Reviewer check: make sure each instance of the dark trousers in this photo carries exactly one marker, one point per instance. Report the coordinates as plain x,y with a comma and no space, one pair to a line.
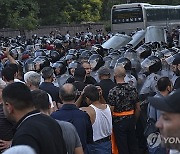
124,132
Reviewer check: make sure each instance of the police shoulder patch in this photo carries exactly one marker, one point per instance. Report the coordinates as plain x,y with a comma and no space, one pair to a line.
155,78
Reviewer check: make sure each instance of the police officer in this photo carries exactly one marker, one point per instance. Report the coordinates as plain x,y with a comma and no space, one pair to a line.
71,69
151,66
176,70
95,61
166,71
40,62
60,72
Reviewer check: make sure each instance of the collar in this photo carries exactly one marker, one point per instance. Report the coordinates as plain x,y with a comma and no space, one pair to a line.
25,117
125,83
45,82
158,94
106,80
68,107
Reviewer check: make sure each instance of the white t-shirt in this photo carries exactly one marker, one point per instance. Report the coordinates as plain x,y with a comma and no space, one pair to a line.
50,101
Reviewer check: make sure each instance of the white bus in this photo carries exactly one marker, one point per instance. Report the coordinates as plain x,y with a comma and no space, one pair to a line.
129,17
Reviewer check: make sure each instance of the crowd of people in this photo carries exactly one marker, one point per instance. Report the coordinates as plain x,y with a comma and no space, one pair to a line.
64,94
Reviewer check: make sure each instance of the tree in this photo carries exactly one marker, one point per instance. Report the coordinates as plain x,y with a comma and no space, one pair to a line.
19,14
68,11
77,11
49,11
29,14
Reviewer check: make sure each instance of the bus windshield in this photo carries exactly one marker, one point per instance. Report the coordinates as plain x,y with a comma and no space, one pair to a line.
127,15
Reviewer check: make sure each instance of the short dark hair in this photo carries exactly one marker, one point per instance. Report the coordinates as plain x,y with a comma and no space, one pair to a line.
18,94
163,83
92,93
79,73
68,95
40,99
13,66
8,73
17,68
47,72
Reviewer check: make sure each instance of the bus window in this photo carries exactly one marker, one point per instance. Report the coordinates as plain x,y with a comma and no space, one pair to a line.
156,14
174,14
127,15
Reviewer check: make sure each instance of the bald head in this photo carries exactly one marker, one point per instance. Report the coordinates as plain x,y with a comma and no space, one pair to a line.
67,93
119,72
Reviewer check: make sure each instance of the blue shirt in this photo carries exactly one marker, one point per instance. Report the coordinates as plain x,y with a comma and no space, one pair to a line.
51,90
80,119
152,112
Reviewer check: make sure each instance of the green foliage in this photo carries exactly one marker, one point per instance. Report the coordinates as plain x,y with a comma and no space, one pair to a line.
18,14
3,13
68,11
29,14
82,11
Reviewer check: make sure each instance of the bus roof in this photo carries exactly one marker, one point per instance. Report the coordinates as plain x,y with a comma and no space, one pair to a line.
131,5
162,6
146,5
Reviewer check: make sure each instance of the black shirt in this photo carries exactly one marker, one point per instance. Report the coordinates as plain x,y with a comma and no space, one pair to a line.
80,86
106,85
177,83
6,127
123,97
90,80
40,132
70,79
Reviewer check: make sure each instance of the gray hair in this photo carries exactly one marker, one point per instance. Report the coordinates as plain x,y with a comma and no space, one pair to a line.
33,78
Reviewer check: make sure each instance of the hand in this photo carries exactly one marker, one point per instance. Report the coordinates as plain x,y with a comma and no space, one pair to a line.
4,60
4,144
6,51
100,90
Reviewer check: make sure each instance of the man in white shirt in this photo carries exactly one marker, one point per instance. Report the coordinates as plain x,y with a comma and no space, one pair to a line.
101,120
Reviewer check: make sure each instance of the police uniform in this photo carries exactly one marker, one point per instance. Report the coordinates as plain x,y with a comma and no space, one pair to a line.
61,79
131,80
150,83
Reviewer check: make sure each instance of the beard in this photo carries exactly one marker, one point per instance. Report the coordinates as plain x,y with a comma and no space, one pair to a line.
8,116
177,72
